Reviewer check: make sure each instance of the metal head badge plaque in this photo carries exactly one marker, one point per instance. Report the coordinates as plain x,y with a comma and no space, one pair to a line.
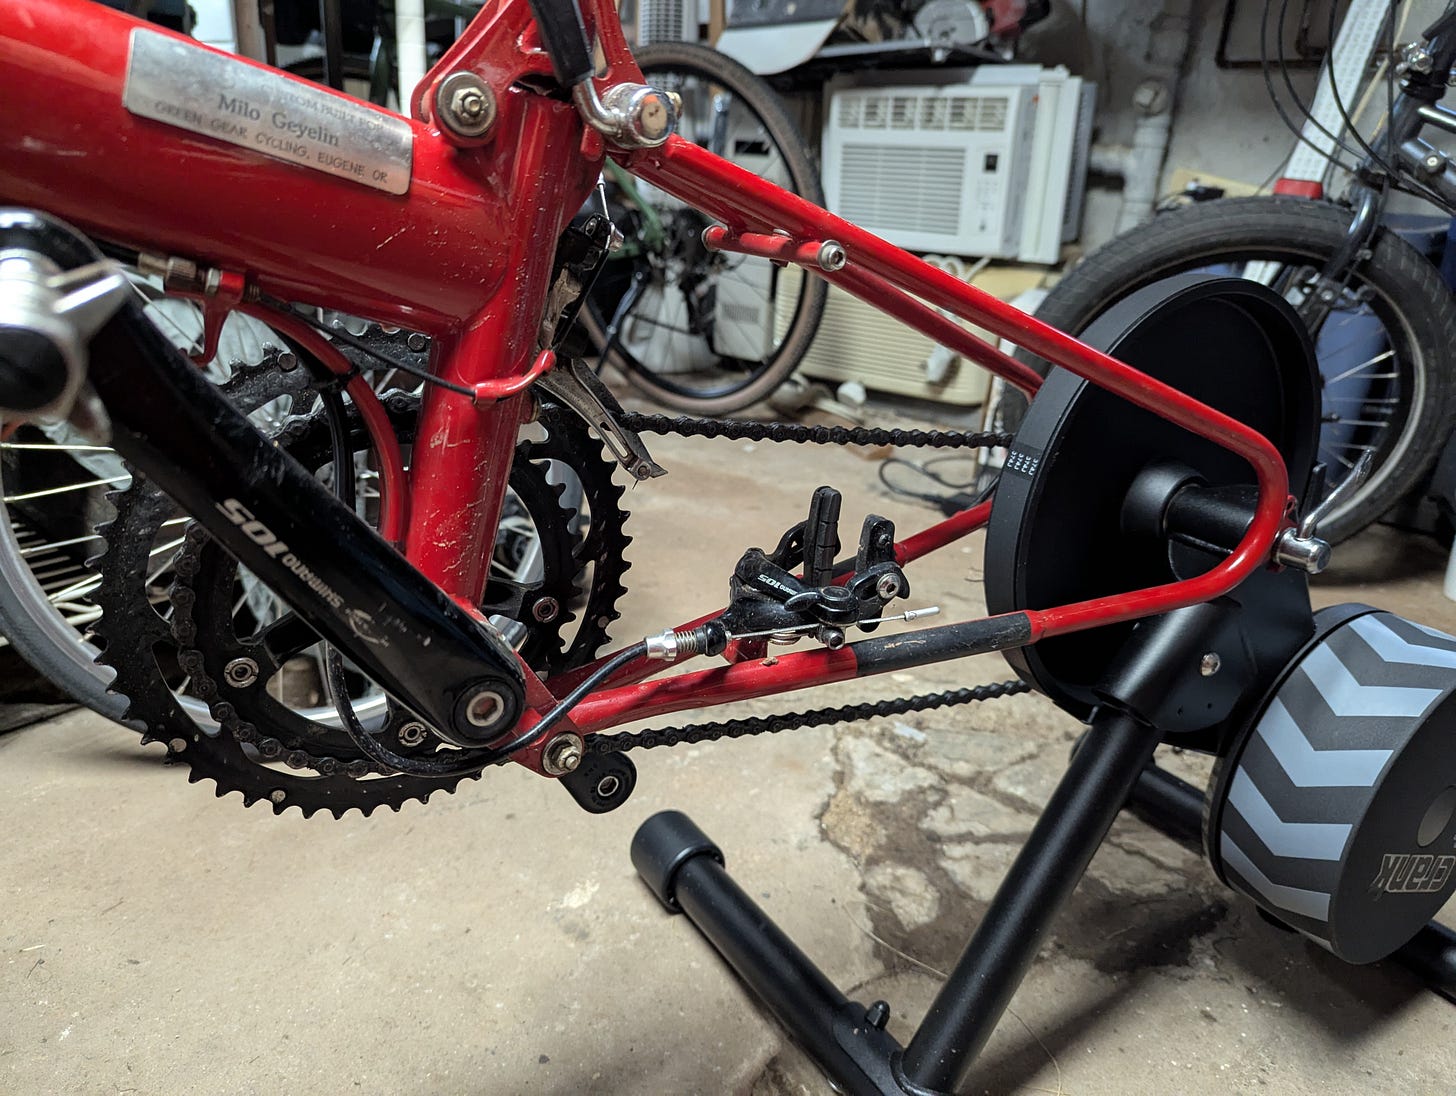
218,96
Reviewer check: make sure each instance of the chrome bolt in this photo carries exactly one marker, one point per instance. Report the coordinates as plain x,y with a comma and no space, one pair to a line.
240,672
1209,664
562,754
485,708
607,786
832,256
467,107
888,586
546,610
1433,163
412,733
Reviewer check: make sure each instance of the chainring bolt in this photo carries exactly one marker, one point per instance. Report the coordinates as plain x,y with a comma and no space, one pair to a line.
1210,664
177,745
277,795
562,754
240,672
546,610
412,733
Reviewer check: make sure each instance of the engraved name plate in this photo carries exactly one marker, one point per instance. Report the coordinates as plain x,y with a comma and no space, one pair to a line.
222,97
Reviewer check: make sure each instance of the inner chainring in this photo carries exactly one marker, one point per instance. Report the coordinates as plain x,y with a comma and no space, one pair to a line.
1055,536
320,767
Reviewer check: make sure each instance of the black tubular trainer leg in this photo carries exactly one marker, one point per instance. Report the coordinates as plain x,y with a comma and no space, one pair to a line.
1047,870
1176,807
685,870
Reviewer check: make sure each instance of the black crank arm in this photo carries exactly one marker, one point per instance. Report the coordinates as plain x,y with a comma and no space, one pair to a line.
340,577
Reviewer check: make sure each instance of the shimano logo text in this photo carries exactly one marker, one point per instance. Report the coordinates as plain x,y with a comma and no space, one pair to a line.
267,540
1408,873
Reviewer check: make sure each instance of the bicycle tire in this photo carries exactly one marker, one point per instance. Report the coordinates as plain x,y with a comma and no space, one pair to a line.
1415,307
736,392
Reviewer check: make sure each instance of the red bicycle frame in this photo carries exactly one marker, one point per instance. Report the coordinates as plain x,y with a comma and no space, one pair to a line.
463,255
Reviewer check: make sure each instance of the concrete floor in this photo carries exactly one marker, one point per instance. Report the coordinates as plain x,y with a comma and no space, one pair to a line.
157,940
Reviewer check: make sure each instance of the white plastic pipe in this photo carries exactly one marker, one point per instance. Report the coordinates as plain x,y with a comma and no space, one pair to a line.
409,48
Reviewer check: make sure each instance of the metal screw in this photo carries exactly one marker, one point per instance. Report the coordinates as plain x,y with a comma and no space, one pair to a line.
417,341
607,786
485,708
888,586
546,610
1433,163
412,733
287,361
1209,664
240,672
277,795
562,754
177,745
832,256
467,107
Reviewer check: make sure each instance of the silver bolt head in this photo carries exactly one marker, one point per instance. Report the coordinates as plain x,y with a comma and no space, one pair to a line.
412,733
832,256
241,672
546,610
1210,664
465,104
888,586
562,754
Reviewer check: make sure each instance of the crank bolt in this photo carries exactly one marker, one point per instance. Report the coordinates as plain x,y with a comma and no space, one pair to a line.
562,754
1210,664
466,105
888,586
546,610
832,256
240,672
412,733
485,708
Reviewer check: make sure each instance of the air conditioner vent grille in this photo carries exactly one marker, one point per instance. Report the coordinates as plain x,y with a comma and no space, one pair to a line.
873,191
933,113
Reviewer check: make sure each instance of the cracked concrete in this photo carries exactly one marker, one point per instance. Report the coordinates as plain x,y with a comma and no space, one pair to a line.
157,940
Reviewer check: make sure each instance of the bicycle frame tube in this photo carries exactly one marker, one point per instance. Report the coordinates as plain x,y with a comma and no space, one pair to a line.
465,256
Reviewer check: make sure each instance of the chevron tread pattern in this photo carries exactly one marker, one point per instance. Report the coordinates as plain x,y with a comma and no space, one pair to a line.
1314,762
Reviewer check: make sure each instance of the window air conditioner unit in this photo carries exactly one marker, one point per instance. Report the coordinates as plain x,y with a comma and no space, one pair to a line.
668,21
933,168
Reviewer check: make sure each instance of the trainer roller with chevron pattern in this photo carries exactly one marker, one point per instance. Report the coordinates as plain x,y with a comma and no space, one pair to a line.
1336,811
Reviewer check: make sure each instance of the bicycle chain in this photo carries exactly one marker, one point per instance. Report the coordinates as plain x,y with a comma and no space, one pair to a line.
818,717
746,430
621,742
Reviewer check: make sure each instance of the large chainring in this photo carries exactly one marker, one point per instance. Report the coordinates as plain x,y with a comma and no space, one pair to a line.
265,750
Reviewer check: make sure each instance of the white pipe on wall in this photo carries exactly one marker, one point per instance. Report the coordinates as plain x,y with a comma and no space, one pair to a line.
409,47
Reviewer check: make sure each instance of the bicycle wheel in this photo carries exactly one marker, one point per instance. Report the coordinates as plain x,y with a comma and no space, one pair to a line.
1385,347
704,332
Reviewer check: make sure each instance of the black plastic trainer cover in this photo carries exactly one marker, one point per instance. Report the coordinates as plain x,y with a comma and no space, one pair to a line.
1336,811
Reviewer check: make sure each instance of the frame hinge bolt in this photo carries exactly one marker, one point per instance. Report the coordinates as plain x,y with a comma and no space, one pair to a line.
466,105
562,754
